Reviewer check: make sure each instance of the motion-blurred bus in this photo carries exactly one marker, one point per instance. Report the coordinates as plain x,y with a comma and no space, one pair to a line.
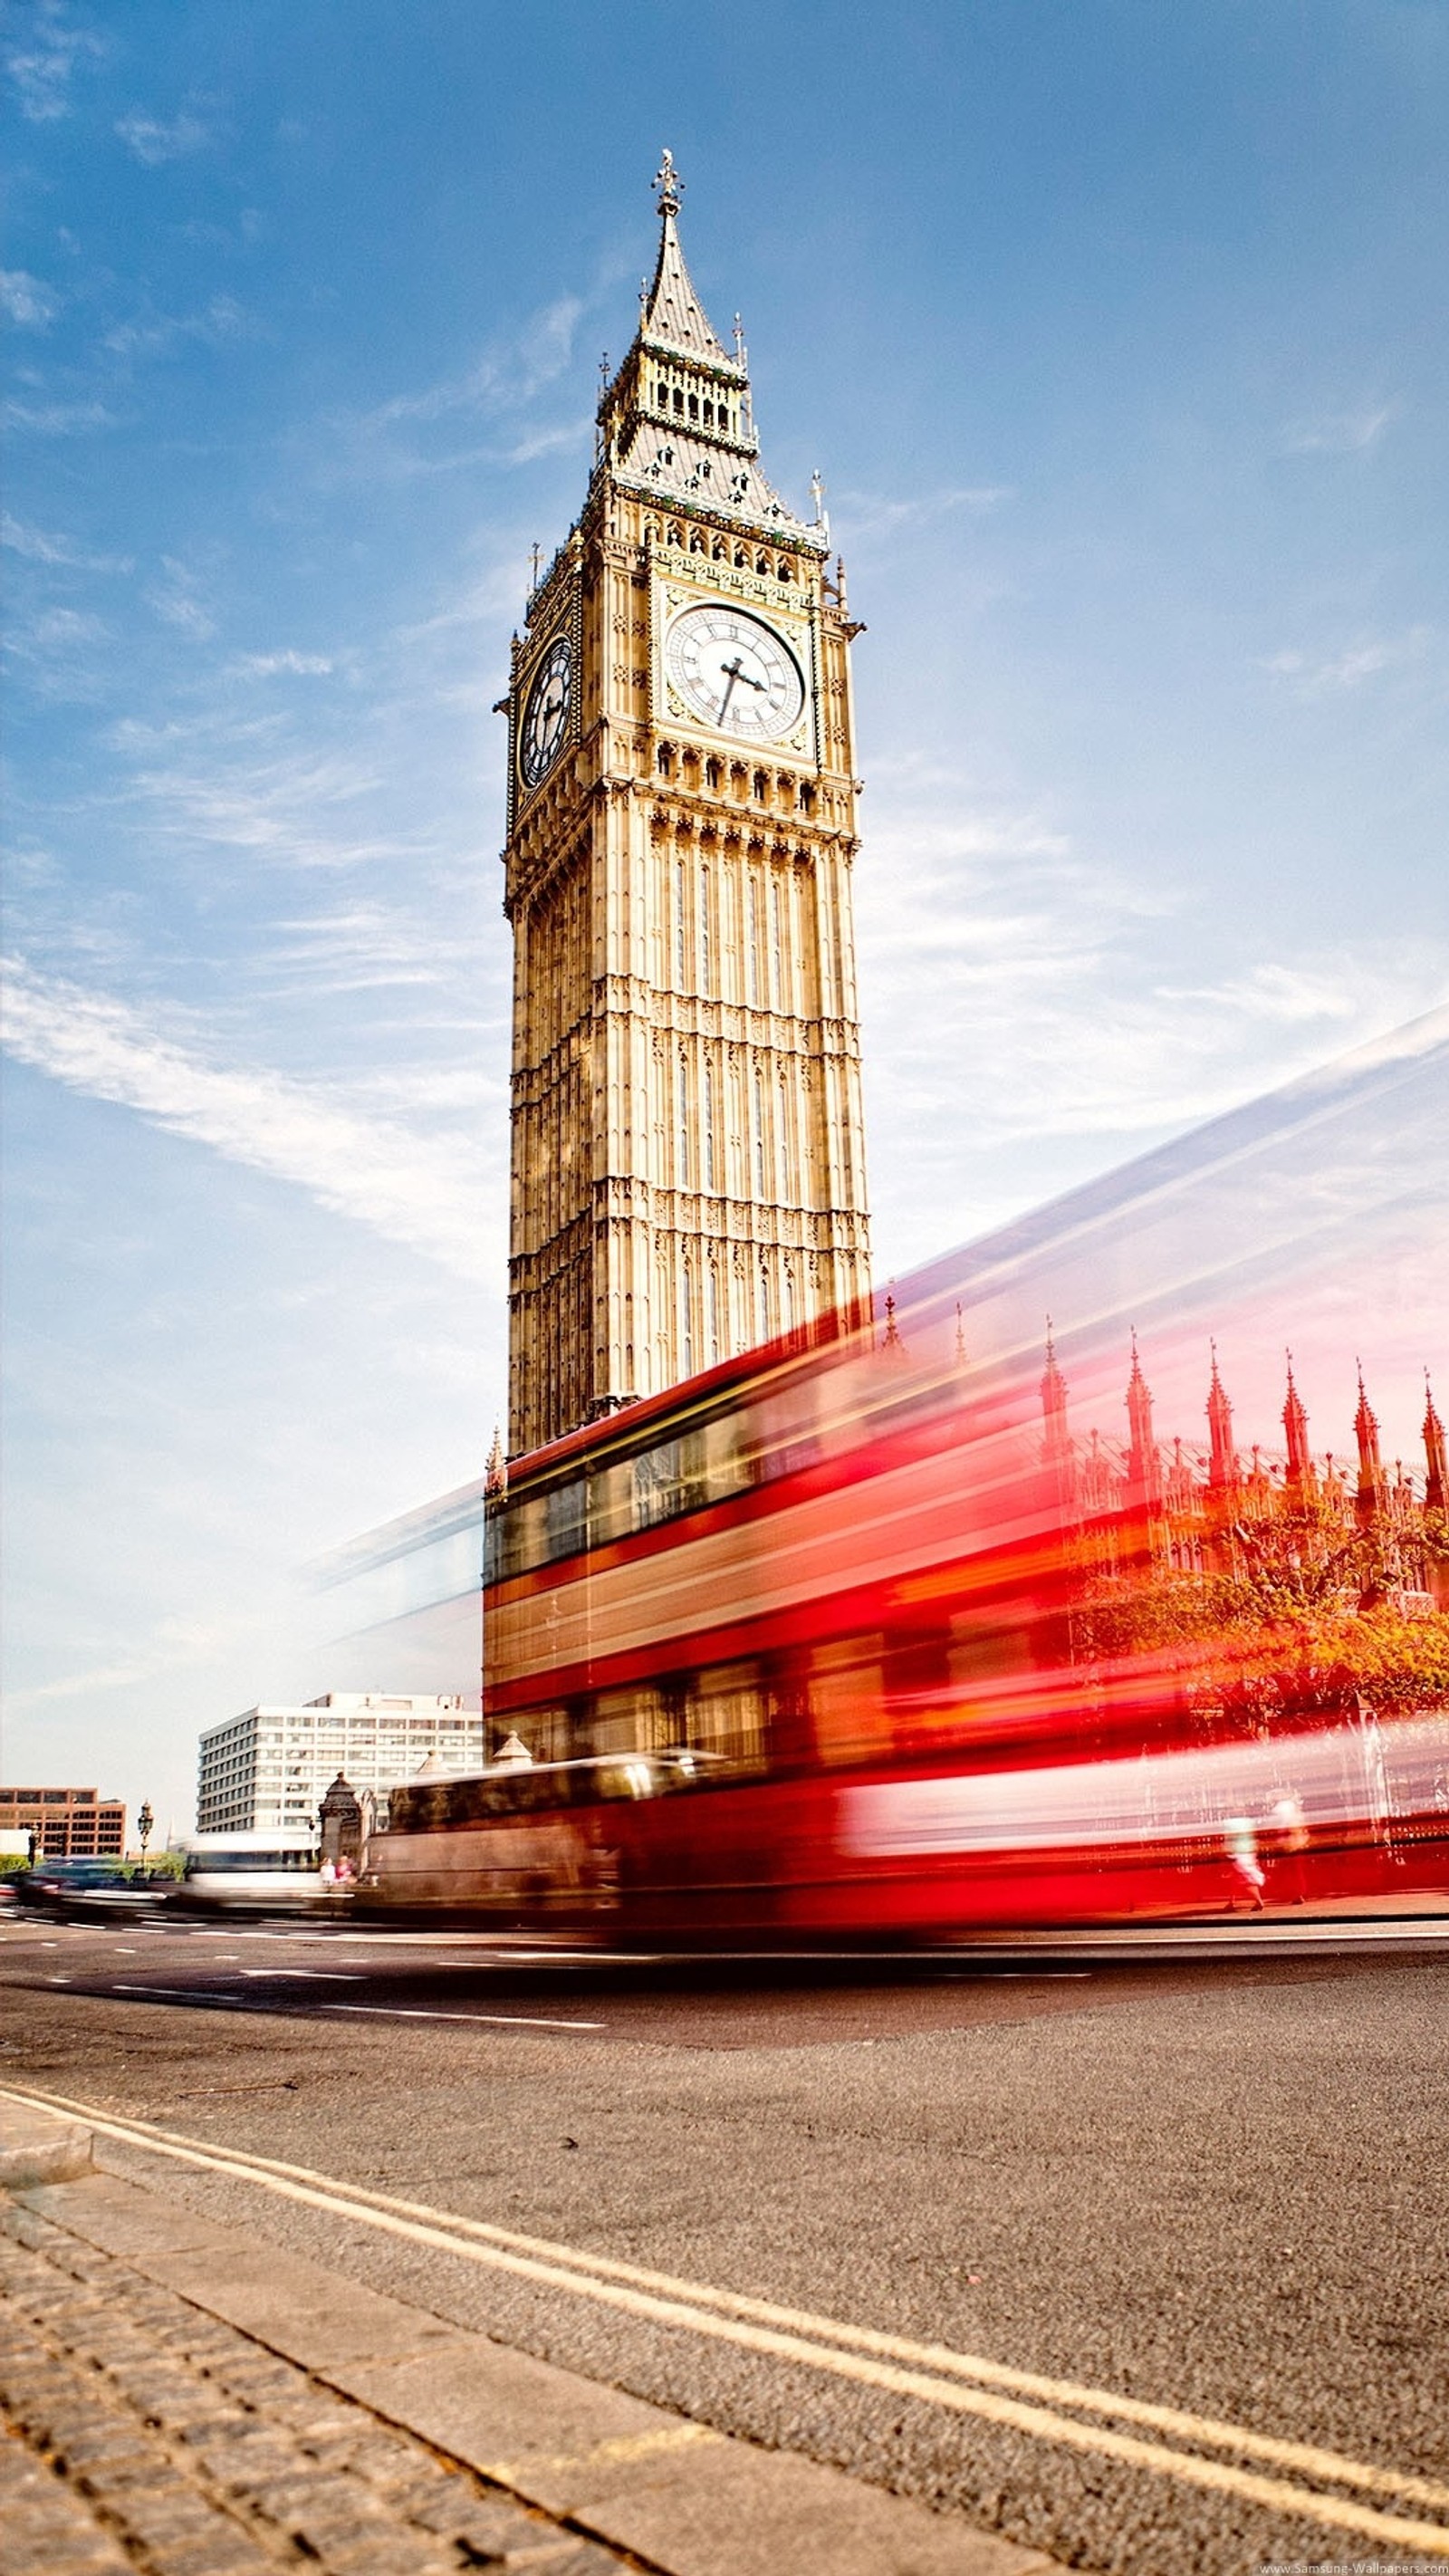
276,1872
932,1623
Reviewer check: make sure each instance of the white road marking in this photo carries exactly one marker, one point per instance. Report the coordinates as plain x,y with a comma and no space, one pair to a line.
184,1995
506,2021
935,2373
311,1976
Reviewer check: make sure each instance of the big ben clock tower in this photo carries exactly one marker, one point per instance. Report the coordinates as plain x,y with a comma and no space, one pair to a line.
688,1155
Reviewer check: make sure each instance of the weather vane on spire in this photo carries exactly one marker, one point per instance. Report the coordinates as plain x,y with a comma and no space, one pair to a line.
669,184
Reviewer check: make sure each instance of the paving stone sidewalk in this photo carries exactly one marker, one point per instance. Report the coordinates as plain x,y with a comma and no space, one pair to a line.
141,2435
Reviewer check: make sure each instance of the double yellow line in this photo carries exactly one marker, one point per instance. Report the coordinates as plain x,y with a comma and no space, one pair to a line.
962,2383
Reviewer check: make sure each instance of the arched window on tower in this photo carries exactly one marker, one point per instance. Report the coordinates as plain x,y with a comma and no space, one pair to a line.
777,944
681,1122
666,761
686,1317
789,1314
784,1159
758,1132
680,928
708,415
711,1180
712,1315
752,940
678,400
706,960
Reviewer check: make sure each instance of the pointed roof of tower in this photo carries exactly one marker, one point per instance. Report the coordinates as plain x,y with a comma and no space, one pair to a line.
1223,1463
675,419
1053,1384
1436,1490
1295,1425
673,316
1366,1426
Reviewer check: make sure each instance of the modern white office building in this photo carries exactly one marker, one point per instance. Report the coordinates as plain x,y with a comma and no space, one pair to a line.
272,1767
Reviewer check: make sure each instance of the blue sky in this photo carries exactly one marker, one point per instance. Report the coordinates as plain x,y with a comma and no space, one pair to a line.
1117,334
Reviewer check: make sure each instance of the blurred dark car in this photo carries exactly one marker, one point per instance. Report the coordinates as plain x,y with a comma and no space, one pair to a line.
81,1888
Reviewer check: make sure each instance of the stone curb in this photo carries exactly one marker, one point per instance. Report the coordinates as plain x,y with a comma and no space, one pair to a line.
672,2494
29,2164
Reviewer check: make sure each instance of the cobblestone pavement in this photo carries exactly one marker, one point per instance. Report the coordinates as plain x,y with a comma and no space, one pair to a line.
141,2435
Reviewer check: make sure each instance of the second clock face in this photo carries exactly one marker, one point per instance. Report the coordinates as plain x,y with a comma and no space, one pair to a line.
735,673
546,714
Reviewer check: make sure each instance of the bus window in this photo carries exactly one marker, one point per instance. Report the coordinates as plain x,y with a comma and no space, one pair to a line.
636,1720
727,1716
564,1516
518,1536
624,1779
611,1502
847,1701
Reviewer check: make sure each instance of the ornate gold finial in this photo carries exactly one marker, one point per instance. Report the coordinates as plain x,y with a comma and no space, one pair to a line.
669,184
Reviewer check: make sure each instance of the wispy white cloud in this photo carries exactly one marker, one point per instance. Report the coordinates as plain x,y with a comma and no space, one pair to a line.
1339,433
409,1187
28,301
41,62
55,626
1311,675
875,514
511,372
38,545
149,335
1045,1017
155,139
400,437
171,1646
266,666
366,947
229,790
57,648
56,420
178,600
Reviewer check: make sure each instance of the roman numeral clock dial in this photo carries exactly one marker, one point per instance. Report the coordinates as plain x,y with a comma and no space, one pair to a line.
734,673
546,713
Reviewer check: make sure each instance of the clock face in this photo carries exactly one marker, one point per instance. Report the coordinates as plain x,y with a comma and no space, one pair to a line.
546,714
735,673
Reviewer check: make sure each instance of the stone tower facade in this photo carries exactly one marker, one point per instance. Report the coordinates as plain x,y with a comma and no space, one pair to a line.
688,1155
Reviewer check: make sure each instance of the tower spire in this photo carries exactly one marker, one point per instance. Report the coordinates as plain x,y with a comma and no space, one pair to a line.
1436,1489
1222,1457
673,317
1144,1483
1056,1440
1295,1428
669,184
1370,1466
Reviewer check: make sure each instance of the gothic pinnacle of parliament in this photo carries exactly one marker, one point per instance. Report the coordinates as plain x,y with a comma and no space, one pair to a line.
688,1156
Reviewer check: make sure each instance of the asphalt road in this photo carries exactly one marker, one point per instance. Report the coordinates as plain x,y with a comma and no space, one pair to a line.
1207,2178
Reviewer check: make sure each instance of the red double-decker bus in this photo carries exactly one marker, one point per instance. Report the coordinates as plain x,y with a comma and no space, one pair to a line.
816,1645
886,1630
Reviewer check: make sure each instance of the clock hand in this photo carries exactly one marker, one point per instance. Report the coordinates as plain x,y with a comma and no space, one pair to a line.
734,671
